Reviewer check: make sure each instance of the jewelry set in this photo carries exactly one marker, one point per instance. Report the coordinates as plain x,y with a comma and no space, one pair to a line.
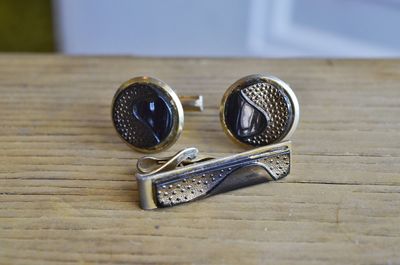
256,111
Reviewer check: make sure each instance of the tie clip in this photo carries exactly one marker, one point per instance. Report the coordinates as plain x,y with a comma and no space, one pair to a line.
181,178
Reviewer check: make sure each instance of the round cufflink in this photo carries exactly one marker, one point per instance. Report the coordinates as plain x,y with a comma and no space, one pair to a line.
259,110
148,115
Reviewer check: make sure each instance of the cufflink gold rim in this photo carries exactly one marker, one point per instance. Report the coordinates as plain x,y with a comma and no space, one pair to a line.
250,82
121,112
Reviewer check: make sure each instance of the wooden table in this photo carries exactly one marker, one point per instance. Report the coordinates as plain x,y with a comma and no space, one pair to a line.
68,194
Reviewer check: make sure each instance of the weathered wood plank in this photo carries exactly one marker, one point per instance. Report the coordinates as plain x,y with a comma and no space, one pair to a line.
67,192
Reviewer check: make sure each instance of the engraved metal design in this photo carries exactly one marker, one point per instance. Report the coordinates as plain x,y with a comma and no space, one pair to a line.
147,114
187,187
132,129
199,179
276,106
269,97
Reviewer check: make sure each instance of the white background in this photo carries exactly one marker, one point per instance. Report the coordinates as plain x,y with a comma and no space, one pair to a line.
263,28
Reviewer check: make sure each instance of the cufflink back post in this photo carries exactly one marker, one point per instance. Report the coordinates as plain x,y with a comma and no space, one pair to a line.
179,179
259,110
148,115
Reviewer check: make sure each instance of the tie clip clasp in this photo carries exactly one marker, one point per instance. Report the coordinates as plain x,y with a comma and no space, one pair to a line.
183,177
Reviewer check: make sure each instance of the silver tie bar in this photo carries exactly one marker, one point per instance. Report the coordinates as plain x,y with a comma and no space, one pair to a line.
166,182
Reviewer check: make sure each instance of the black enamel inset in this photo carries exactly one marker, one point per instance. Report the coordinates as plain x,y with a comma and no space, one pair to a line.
258,112
243,119
155,114
143,115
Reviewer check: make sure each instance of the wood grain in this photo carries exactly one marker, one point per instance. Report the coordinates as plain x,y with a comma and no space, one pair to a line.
68,195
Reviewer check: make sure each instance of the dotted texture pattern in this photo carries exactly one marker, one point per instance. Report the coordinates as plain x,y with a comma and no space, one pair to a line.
278,166
129,128
190,186
275,104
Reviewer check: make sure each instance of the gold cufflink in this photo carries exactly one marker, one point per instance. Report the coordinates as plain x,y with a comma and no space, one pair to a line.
259,110
148,115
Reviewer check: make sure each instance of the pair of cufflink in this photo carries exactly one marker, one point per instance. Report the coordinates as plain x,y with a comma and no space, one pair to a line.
257,111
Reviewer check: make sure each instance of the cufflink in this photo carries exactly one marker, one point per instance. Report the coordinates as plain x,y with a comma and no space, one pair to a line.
148,115
259,110
183,177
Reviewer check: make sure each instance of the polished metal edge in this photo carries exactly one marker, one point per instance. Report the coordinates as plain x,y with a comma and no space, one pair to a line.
150,185
175,102
269,79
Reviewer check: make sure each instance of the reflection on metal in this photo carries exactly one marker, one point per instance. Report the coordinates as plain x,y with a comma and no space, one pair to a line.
148,115
165,182
258,110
